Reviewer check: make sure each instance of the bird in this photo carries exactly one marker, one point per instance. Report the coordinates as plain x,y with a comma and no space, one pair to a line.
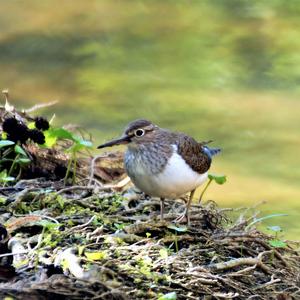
162,163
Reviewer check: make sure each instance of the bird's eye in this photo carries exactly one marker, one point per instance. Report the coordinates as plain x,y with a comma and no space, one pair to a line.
139,132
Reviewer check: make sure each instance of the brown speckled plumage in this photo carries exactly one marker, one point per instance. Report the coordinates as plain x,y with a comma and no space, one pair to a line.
151,145
193,154
163,163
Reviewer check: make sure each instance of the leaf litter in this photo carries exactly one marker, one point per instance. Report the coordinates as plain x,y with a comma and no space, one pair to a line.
96,237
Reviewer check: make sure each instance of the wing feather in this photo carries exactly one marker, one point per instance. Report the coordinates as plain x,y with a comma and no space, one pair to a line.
193,153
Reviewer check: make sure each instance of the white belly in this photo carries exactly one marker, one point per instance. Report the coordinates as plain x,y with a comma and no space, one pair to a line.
177,179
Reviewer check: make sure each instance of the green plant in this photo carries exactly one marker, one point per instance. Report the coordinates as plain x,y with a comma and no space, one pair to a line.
4,175
78,144
12,156
20,159
4,178
119,226
219,179
277,242
5,143
164,253
176,230
16,133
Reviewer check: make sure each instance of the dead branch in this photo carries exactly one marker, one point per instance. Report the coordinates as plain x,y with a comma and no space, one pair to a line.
252,261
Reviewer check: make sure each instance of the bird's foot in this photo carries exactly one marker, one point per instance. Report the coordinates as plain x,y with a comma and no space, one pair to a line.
183,217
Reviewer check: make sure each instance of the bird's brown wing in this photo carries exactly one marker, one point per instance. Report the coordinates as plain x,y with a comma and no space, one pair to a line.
193,154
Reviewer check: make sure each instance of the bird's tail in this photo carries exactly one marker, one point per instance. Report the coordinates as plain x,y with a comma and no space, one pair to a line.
211,151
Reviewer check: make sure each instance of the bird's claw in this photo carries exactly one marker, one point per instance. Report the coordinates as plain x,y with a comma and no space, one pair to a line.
182,217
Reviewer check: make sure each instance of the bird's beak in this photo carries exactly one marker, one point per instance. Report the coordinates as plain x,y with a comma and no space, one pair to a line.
120,141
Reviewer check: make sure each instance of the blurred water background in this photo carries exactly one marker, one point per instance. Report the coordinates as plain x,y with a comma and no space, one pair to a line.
222,70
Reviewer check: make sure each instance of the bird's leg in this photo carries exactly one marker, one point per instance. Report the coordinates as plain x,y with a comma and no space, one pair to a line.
162,208
186,212
188,206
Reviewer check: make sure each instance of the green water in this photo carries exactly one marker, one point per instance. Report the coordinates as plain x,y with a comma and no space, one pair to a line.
222,70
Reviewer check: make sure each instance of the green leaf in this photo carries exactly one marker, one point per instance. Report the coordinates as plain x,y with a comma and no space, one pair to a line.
5,178
53,134
275,228
60,133
277,243
50,140
95,255
169,296
8,179
5,143
163,253
3,174
20,150
3,201
31,125
80,250
178,228
60,201
48,224
219,179
119,226
23,161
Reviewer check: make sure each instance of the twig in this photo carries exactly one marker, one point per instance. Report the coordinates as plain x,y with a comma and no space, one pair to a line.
120,184
94,188
242,261
21,195
201,278
74,188
139,207
272,281
82,225
47,217
229,295
15,253
92,168
39,106
276,253
246,270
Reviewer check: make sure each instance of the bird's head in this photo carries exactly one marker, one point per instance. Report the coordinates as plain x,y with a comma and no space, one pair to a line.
136,133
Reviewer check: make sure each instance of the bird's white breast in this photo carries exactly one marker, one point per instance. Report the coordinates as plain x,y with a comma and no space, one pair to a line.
176,179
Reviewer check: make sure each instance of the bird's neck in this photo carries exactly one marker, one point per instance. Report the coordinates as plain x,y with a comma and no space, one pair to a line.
151,156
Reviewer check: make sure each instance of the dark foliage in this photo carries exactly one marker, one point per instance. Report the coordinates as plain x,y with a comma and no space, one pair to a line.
16,130
37,136
41,123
